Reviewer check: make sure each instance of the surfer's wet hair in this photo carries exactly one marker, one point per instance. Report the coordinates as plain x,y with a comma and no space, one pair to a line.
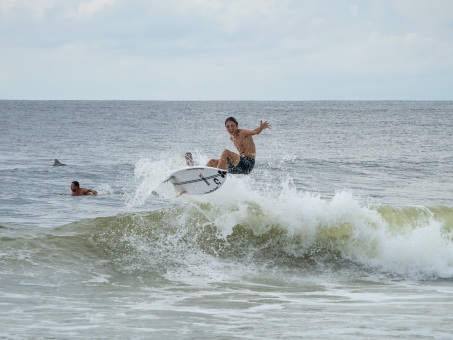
231,119
76,184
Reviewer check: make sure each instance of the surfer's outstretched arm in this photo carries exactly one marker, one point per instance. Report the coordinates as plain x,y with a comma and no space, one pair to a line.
257,131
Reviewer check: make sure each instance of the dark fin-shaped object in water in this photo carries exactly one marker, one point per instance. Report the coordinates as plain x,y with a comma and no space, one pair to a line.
189,159
57,163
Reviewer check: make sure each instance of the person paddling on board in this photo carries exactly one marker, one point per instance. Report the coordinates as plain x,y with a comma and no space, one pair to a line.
243,141
78,191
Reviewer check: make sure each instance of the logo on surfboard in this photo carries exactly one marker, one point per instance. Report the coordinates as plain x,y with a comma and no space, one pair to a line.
198,181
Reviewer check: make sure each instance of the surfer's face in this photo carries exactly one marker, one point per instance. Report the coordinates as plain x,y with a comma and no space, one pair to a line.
73,187
231,127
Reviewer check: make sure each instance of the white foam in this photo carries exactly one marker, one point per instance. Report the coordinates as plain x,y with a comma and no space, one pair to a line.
343,222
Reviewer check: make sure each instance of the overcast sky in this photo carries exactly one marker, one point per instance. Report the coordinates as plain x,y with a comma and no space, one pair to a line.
226,49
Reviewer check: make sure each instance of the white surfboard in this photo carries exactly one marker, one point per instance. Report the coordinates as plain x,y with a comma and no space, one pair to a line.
197,180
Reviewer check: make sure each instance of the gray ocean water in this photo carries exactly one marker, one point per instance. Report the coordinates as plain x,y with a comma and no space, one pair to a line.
344,230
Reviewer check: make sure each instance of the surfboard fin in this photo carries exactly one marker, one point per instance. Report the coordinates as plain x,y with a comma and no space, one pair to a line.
169,178
181,194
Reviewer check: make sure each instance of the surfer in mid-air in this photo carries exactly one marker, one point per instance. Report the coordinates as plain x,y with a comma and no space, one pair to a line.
243,162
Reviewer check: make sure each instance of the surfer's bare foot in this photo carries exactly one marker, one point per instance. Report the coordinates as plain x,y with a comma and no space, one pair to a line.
189,159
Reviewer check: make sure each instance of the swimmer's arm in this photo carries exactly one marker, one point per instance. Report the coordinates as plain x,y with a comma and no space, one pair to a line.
90,192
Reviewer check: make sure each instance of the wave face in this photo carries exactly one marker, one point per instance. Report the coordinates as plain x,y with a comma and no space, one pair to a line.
296,234
299,232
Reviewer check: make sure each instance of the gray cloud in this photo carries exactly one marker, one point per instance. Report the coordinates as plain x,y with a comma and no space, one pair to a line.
217,49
